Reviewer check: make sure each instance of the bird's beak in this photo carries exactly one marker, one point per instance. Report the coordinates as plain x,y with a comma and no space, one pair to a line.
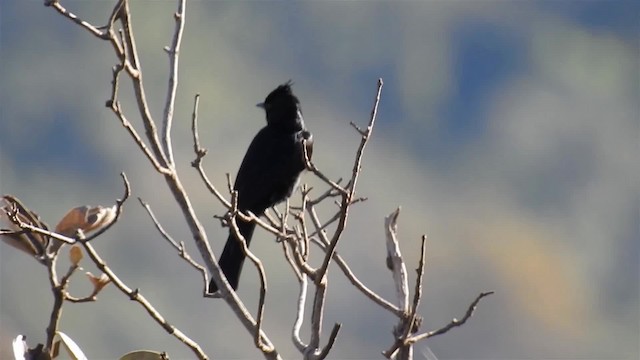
260,105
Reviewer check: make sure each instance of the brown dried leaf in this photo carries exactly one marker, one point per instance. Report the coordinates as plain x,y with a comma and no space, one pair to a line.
84,218
28,242
75,254
98,282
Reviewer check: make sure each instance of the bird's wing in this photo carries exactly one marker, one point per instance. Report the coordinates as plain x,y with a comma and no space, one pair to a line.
256,170
269,170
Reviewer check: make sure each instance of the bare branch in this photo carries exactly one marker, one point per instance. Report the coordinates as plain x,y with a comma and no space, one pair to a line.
284,217
317,315
115,15
229,186
304,239
131,53
116,108
347,198
119,206
75,300
332,339
37,230
272,221
417,294
453,323
331,192
58,300
334,218
287,246
365,139
178,246
156,223
265,348
104,35
297,325
395,261
313,168
287,254
358,129
299,260
173,51
200,153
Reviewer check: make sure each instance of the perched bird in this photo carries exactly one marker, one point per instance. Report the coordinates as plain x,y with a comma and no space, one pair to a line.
269,171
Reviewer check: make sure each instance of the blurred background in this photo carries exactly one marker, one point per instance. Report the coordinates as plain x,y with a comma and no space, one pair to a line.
508,132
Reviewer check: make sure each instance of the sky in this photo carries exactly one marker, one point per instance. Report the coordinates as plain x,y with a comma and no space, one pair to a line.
507,132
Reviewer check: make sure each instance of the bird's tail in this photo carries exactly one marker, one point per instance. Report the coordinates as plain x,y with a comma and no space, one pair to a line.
232,256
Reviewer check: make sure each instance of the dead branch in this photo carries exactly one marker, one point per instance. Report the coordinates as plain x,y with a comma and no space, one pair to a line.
453,323
178,246
172,88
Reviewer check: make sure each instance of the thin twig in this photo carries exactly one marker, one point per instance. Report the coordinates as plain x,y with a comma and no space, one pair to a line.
287,255
453,323
313,168
119,208
284,218
71,16
270,218
49,233
174,52
116,108
286,246
332,339
301,264
331,192
135,73
200,154
115,15
297,325
258,264
317,315
304,239
229,185
358,129
178,246
75,300
417,293
348,197
157,224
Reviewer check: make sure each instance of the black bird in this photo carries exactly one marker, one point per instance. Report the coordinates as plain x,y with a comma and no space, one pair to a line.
269,171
